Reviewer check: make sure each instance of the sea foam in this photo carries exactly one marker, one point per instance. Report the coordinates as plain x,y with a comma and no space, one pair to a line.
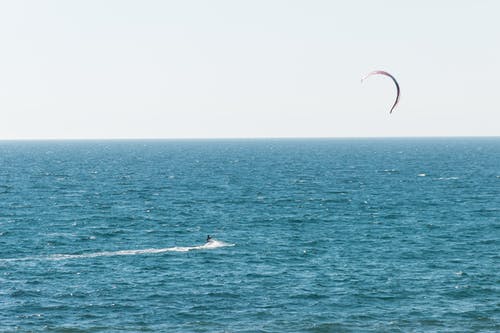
212,244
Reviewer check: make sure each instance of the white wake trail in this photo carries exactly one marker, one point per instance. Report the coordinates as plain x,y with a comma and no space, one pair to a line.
212,244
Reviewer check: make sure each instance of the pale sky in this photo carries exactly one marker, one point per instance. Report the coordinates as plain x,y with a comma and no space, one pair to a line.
216,69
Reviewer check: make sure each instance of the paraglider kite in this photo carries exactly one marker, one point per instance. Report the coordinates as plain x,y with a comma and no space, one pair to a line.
393,79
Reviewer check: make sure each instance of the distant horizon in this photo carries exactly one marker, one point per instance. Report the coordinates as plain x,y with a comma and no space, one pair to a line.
253,138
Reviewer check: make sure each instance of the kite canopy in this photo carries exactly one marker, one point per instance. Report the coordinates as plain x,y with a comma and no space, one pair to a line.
393,79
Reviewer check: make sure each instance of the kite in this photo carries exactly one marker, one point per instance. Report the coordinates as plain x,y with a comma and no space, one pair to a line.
393,79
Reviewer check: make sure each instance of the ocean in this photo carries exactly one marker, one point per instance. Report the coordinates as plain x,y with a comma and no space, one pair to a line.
308,235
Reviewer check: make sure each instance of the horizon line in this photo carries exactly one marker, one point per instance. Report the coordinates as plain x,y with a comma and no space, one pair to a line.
245,138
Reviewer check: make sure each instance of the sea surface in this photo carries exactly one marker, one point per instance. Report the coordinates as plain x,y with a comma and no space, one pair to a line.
317,235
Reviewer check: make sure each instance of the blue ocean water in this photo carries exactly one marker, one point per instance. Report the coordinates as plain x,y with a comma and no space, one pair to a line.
338,235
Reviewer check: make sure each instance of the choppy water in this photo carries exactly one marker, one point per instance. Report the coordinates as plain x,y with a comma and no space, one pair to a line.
310,236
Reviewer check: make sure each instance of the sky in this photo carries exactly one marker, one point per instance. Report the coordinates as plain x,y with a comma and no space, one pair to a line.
102,69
